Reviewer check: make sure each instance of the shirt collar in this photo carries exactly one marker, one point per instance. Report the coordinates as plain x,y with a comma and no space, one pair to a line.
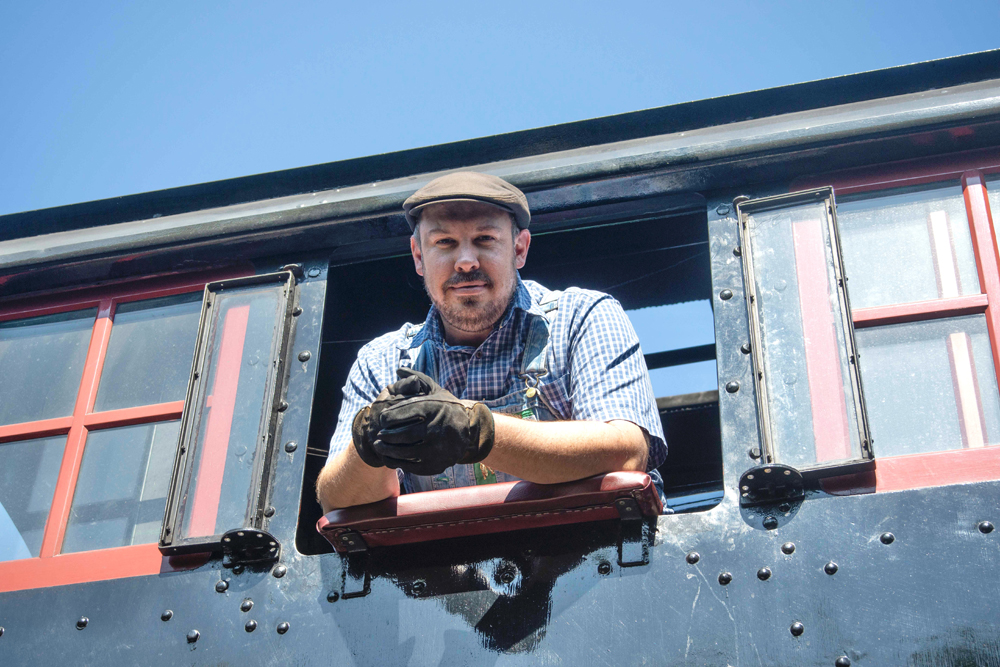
433,330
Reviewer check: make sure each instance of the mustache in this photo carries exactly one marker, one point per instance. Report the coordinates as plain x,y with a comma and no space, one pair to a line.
474,276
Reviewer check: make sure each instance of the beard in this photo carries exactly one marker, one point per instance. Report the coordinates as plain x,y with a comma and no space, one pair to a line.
475,313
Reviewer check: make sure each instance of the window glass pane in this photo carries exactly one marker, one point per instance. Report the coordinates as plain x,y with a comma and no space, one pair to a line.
993,192
913,245
149,355
684,379
122,488
929,386
241,332
810,397
28,473
674,326
53,348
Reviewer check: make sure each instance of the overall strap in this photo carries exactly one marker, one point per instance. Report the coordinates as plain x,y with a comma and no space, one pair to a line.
535,362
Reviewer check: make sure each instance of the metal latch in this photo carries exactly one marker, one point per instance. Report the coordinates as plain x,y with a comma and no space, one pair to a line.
634,536
771,483
244,546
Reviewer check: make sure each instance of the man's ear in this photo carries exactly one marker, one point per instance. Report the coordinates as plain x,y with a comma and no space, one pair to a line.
521,244
418,257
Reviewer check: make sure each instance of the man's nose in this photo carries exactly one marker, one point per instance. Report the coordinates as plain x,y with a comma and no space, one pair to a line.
467,259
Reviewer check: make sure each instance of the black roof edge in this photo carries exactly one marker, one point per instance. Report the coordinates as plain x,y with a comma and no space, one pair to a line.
901,80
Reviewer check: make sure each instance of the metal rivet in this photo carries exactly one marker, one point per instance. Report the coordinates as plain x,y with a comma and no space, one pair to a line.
193,636
305,355
722,209
797,629
785,507
313,272
419,586
754,453
725,578
764,573
737,251
250,626
282,406
726,294
82,622
692,557
291,446
604,567
296,311
887,538
1,631
332,596
166,615
506,577
282,627
770,522
745,348
221,586
237,569
985,527
732,386
843,661
788,548
279,571
246,605
269,512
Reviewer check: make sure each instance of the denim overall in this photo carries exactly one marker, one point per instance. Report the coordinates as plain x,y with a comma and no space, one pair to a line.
526,402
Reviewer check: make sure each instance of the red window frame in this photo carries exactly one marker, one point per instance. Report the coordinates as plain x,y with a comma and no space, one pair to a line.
958,466
52,568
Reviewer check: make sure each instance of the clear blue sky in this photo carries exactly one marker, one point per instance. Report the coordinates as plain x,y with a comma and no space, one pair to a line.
103,99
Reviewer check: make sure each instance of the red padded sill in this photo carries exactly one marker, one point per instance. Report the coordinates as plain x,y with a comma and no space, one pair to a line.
491,508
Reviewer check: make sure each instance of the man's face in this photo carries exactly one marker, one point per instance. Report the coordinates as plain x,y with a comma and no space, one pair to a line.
468,258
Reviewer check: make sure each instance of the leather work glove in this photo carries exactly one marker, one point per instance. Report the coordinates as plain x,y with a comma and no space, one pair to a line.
419,427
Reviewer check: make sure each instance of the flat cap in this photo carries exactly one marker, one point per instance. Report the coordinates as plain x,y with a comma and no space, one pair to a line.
469,186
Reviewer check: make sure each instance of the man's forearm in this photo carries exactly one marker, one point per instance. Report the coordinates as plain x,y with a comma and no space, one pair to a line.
562,451
346,481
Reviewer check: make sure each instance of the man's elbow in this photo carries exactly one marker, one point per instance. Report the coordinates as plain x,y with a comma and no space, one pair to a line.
635,445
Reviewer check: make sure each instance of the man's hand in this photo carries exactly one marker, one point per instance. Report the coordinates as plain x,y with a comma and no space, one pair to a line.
419,427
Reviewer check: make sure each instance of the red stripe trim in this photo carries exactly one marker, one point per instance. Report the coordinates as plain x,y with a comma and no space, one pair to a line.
985,247
212,465
960,466
65,569
37,429
919,310
138,415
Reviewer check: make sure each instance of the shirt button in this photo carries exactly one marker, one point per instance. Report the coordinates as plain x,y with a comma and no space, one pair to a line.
479,355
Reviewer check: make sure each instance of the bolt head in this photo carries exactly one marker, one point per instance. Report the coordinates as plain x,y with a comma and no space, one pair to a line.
843,661
692,557
722,209
725,578
283,627
726,294
305,355
166,615
82,622
1,631
246,605
797,629
887,538
221,586
332,596
250,626
764,573
291,446
831,568
279,571
732,386
604,567
296,311
737,251
754,453
770,522
419,586
788,548
745,348
985,527
313,272
193,636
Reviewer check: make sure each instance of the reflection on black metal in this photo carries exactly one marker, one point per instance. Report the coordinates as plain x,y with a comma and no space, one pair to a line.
246,394
765,306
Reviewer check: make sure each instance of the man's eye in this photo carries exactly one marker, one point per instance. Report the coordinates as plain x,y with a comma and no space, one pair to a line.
444,242
487,239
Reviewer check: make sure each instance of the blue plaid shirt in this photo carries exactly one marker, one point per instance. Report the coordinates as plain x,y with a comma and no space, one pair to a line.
596,368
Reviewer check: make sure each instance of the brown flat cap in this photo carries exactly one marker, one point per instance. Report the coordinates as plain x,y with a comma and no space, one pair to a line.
469,186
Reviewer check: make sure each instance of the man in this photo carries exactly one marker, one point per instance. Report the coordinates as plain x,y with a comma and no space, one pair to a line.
504,380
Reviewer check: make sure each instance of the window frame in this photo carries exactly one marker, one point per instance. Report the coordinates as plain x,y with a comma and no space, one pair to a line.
50,567
956,466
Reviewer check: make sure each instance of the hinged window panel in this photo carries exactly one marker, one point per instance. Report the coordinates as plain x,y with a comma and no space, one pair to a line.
811,407
228,430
